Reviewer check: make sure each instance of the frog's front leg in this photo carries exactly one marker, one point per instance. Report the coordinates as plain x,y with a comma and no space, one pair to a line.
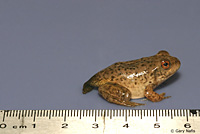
153,96
117,94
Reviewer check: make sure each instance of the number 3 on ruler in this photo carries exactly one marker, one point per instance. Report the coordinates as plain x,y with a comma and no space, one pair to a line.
95,125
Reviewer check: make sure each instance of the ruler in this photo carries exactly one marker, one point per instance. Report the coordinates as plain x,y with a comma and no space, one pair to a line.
100,121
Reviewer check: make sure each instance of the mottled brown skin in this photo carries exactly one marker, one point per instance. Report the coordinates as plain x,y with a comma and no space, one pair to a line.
123,81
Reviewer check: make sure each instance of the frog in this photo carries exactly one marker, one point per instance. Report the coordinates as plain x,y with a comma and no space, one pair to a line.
123,81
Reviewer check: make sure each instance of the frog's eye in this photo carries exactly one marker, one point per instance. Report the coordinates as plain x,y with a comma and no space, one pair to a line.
165,64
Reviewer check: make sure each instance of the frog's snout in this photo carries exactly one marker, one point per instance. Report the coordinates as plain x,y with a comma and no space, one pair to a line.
176,62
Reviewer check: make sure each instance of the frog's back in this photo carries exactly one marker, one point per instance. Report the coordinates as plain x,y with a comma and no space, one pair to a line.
120,73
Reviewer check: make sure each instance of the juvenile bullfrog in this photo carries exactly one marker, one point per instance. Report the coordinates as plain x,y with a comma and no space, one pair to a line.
123,81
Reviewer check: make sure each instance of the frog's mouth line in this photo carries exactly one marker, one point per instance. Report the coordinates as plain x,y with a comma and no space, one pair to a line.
167,76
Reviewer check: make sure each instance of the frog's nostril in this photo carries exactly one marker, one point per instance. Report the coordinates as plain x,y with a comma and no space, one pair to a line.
177,60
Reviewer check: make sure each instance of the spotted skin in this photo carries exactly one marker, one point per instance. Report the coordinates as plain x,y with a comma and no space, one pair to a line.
123,81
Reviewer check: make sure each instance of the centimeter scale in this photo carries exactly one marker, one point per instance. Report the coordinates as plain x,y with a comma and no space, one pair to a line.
100,121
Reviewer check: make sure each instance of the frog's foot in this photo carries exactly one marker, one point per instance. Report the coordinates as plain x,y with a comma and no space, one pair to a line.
117,94
153,96
87,88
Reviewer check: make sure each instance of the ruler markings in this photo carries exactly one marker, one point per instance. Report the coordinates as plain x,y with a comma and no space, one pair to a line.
83,113
34,115
55,113
80,113
31,113
16,113
71,113
126,116
44,113
10,113
65,112
74,113
199,112
106,114
37,113
153,113
19,114
58,113
174,113
95,115
147,113
156,115
150,112
41,113
22,113
25,113
187,115
4,116
6,113
171,114
178,112
49,114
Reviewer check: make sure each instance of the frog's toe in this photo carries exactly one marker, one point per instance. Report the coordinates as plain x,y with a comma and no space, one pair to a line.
164,97
133,104
162,94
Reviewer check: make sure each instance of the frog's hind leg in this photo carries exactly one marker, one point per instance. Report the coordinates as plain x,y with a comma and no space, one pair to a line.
87,87
117,94
153,96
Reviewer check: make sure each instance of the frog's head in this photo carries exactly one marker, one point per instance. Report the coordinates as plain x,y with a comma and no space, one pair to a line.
166,65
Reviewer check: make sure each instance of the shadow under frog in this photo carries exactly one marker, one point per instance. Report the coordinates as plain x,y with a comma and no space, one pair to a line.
123,81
